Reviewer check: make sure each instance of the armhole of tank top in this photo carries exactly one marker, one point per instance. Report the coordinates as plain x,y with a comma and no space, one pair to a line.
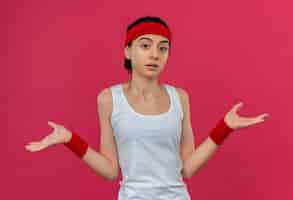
178,102
113,103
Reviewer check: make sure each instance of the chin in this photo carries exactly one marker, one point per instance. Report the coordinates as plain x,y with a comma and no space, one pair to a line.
152,75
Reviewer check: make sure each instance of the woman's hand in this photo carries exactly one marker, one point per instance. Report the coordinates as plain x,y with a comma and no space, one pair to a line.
59,135
234,121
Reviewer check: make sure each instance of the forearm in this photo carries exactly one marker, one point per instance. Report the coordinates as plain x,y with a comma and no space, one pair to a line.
204,151
99,164
199,157
95,160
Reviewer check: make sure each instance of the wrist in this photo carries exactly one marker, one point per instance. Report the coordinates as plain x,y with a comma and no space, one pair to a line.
77,144
68,137
220,132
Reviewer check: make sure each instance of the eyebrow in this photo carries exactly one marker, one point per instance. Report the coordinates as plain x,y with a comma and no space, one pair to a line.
162,41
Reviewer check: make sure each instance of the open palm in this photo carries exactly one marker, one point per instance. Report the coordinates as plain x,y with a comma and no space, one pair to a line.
59,135
236,121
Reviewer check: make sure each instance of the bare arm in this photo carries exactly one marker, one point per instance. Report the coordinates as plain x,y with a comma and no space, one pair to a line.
193,158
100,164
199,157
104,163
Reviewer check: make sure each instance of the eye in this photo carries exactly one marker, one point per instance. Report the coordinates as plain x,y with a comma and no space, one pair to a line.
144,46
164,48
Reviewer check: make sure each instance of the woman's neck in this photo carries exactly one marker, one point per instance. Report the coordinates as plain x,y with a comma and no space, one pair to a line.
146,88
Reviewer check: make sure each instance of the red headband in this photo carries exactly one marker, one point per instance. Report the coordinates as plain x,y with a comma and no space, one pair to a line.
147,28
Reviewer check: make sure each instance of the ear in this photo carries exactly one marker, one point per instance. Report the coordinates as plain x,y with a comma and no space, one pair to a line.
127,52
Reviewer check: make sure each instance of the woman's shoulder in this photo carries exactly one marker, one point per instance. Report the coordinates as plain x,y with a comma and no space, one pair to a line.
183,97
180,90
113,85
105,96
107,89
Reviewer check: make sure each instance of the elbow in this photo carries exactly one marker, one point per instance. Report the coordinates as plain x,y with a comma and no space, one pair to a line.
186,174
113,177
189,173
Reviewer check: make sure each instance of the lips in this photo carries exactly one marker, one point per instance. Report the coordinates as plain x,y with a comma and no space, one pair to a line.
152,65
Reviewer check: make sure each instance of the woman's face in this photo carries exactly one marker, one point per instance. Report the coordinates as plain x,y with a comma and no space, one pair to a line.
148,49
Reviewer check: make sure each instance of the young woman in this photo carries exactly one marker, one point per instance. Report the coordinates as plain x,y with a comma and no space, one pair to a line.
145,125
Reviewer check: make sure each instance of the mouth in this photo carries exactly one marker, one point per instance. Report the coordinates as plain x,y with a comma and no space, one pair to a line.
152,65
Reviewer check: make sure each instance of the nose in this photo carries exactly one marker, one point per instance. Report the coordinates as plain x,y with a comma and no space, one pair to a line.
154,54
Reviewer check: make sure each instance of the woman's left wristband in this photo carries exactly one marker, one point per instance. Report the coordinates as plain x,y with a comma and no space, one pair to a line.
77,145
220,132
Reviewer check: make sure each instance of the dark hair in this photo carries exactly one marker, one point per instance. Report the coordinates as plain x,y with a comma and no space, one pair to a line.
127,62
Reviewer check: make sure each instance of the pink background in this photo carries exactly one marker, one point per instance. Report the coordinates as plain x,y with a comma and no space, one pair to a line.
58,55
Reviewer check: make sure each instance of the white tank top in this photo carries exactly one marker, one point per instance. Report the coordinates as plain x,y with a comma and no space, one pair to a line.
149,149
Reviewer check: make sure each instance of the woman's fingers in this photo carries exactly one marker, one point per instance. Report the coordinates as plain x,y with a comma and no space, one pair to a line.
34,147
236,107
34,142
45,142
52,124
48,140
259,119
263,116
37,145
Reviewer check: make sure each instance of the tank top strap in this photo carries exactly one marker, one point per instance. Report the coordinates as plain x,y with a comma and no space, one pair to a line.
176,100
117,99
119,105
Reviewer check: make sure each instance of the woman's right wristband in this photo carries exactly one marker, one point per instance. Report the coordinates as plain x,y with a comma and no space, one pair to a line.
78,145
220,132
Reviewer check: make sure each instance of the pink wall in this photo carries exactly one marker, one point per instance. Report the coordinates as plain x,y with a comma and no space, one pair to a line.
58,55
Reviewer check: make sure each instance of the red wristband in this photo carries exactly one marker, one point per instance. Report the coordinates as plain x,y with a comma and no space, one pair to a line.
77,145
220,132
